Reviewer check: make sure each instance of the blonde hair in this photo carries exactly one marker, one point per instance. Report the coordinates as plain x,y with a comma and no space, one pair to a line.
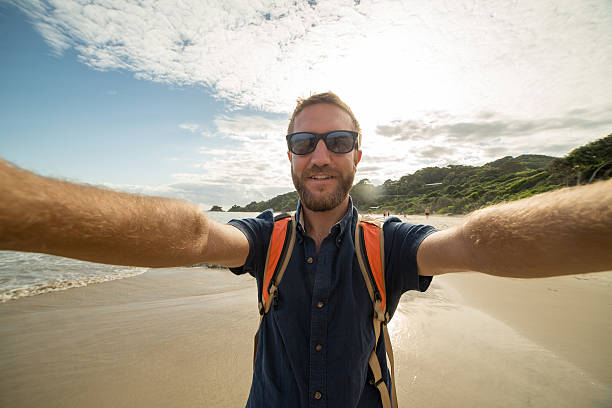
329,98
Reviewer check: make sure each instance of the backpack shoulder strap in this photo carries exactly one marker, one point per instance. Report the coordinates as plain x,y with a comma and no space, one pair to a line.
280,248
369,247
279,253
370,251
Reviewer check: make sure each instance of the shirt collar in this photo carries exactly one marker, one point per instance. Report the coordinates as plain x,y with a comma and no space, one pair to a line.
341,225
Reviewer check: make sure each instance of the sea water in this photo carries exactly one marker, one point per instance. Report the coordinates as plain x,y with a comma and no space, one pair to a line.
28,274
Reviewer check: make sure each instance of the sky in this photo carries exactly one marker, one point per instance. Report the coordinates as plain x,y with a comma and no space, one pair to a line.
191,98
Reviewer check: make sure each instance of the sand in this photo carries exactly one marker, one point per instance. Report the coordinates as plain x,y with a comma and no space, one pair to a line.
168,338
182,337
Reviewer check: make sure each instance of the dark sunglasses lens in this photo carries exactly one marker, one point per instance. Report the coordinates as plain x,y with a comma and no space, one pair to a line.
340,142
302,143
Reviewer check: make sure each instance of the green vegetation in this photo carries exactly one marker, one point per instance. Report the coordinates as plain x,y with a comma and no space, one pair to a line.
460,189
283,202
216,208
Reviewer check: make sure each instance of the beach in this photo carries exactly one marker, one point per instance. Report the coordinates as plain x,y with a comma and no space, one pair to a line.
183,337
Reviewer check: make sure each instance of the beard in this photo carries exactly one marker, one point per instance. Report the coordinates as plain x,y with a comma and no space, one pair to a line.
323,202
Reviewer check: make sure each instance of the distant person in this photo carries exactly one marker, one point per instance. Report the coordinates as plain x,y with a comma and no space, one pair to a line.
317,346
427,213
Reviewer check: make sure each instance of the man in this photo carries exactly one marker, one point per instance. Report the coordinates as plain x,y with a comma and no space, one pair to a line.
313,348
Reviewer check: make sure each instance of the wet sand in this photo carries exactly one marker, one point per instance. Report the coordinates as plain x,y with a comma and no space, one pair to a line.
182,337
167,338
476,341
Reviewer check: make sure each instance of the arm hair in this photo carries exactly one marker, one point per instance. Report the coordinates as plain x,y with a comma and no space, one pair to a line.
39,214
562,232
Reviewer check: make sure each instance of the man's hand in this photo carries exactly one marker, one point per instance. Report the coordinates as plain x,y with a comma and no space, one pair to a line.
563,232
39,214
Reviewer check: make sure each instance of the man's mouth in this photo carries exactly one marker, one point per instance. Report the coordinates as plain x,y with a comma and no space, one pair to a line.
320,177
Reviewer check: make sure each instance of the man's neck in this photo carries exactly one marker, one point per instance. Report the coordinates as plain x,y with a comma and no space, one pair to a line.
319,223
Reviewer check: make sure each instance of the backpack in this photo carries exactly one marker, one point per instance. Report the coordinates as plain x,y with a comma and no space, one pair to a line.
369,248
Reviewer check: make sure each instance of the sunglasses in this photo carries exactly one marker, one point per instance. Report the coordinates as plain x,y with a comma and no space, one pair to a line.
337,141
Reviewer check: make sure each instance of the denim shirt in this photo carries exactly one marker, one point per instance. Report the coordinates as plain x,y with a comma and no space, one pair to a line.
313,349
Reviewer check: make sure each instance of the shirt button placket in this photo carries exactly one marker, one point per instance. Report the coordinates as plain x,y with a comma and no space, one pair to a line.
318,328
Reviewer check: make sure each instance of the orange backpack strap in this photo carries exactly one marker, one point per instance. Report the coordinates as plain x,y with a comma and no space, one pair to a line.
279,253
370,250
369,246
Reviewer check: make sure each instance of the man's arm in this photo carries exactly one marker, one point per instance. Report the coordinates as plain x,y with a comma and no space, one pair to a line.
562,232
39,214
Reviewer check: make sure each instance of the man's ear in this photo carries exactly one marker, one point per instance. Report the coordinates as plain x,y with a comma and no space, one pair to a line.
289,156
357,156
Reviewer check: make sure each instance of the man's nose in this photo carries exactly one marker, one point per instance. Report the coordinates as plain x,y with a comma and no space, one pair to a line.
320,155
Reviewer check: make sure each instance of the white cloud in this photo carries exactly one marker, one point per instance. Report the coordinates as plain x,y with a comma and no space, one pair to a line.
403,56
254,155
215,152
192,127
251,125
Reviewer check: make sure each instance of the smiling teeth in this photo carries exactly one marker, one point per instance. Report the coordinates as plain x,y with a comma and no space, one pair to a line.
320,177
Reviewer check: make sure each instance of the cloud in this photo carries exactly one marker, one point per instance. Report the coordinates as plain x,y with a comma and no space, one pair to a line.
207,192
369,157
370,169
192,127
405,130
496,151
384,57
487,127
436,152
249,162
215,152
251,126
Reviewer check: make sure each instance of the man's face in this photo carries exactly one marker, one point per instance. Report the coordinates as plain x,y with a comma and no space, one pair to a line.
322,178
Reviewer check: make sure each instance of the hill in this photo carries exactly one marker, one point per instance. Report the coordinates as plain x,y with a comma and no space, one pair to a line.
283,202
460,189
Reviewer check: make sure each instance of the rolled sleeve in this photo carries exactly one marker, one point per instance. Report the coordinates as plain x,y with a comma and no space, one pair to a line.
402,241
257,231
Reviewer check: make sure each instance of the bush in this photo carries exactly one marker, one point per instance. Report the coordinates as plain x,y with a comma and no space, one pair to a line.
446,210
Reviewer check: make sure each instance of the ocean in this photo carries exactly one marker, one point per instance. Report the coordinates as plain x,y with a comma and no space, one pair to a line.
28,274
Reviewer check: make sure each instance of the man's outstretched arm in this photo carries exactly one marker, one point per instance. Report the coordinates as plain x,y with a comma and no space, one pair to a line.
39,214
562,232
